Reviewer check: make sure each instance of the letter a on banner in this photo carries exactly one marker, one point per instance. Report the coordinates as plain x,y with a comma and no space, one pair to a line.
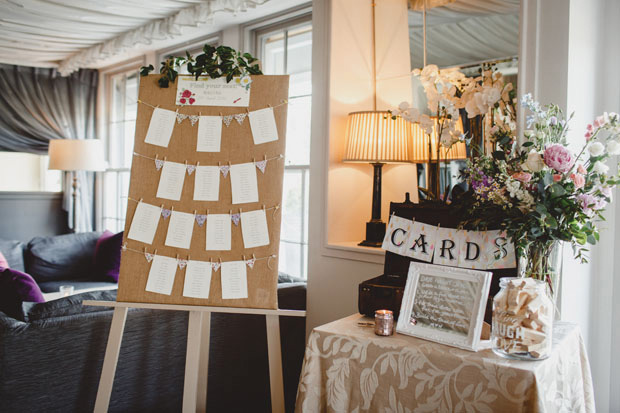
421,241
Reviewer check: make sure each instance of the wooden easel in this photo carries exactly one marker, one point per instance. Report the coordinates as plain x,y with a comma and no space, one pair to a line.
197,357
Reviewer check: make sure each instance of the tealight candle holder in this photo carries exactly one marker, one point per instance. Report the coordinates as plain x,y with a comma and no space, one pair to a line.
384,323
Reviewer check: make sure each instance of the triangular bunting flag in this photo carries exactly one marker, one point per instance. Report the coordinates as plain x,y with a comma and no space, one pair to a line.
191,168
235,218
193,119
239,117
224,170
227,119
182,263
180,117
261,165
158,164
200,219
148,256
165,213
215,266
251,262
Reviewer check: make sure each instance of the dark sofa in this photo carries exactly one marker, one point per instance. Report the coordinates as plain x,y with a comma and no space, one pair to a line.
51,354
52,361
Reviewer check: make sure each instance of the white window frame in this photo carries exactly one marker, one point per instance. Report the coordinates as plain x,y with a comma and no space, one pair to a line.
251,33
103,121
214,39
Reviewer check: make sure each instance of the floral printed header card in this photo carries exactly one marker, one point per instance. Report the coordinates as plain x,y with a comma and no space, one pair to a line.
213,92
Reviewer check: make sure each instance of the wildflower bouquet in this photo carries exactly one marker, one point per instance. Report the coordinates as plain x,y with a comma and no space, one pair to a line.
543,191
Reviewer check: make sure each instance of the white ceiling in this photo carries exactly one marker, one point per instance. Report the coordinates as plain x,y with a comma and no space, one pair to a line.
96,33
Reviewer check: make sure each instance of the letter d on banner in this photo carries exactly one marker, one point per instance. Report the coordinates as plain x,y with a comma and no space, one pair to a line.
473,250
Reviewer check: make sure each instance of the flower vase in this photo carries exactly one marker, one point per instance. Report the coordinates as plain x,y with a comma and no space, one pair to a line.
543,261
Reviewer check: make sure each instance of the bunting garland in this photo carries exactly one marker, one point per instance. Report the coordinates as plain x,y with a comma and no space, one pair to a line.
191,167
182,262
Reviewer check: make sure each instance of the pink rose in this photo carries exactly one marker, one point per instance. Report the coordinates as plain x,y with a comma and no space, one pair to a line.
588,136
182,100
186,93
559,158
557,177
523,177
581,169
191,101
578,180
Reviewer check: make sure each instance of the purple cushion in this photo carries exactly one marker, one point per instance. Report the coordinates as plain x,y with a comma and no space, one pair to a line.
108,256
17,287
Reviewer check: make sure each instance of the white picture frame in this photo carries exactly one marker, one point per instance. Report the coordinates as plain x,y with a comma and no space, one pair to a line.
463,290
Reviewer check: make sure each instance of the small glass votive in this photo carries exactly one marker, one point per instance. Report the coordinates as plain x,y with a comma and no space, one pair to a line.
66,290
384,323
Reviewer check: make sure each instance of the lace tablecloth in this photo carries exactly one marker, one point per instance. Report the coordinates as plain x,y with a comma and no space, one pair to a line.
347,368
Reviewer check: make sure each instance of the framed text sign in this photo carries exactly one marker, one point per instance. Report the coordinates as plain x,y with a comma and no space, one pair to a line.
444,304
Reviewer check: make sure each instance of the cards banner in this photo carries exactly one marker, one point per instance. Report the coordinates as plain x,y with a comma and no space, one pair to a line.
478,250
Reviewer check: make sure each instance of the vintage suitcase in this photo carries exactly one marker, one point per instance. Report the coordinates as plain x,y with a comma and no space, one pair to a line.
386,290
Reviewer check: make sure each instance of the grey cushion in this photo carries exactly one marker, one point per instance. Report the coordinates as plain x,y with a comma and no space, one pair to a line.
13,251
66,306
80,284
61,257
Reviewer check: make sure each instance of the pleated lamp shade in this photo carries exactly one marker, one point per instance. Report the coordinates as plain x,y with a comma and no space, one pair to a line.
457,151
374,137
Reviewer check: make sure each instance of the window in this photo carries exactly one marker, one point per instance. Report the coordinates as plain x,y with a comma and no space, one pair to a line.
286,48
122,98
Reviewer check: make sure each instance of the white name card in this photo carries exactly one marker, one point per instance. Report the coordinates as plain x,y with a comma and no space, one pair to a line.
243,183
209,134
161,275
207,183
160,127
180,230
171,181
234,280
144,223
254,228
263,125
197,279
218,232
211,92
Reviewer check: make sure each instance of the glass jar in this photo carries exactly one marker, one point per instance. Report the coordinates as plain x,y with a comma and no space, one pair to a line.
522,319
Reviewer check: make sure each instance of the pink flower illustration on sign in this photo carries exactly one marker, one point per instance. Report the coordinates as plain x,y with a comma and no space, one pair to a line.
186,96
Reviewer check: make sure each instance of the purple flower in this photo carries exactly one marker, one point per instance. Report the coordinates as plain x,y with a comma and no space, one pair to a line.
552,121
589,203
559,158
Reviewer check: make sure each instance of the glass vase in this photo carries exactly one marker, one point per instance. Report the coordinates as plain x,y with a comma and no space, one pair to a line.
543,261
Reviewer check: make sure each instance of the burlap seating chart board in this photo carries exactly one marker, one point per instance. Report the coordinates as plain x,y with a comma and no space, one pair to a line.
237,146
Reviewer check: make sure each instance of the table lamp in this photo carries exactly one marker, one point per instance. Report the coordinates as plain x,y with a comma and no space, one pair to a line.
425,151
72,155
374,137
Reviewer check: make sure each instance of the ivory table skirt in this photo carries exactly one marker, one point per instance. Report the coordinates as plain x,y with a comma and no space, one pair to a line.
347,368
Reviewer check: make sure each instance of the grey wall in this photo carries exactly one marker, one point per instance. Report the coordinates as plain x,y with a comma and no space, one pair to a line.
24,215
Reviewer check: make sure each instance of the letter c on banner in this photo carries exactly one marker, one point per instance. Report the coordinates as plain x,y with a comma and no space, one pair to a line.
394,235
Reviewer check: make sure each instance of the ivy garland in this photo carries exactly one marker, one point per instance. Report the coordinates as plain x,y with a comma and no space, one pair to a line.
216,62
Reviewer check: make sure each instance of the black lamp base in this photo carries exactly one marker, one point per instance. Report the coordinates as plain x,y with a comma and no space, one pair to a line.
375,232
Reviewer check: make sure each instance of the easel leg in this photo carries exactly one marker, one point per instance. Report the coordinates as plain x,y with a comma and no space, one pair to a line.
276,381
111,358
203,367
192,359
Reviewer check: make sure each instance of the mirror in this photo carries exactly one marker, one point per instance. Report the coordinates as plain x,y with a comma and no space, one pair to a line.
462,34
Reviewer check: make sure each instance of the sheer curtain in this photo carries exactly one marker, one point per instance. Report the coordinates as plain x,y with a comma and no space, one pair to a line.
37,105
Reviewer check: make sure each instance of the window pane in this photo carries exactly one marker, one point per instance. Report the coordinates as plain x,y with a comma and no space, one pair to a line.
27,172
298,131
272,47
292,207
299,61
291,259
